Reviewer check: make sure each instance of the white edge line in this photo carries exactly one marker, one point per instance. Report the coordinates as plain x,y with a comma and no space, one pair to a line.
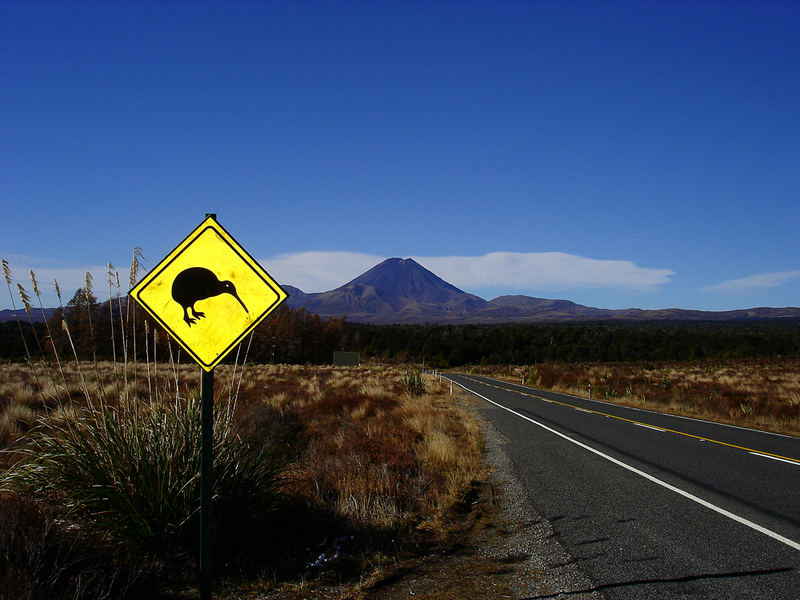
791,462
672,488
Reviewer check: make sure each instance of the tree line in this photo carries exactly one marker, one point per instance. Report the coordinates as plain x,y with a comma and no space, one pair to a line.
114,330
108,331
456,345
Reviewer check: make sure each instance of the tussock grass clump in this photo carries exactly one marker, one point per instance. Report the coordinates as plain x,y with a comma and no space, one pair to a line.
133,470
19,392
17,419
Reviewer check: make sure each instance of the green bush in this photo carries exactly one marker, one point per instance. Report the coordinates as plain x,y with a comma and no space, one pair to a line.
413,383
133,470
531,376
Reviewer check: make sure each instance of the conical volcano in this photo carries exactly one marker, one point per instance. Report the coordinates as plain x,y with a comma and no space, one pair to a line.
396,290
407,279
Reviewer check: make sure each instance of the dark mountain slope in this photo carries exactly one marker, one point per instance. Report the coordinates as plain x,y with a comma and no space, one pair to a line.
396,290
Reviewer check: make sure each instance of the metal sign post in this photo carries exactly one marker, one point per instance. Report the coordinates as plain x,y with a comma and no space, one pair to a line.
206,475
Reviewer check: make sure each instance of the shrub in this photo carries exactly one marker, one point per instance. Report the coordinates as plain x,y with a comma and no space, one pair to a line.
133,470
531,376
413,383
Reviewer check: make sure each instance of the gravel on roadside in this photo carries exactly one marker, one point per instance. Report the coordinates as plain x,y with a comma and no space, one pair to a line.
543,568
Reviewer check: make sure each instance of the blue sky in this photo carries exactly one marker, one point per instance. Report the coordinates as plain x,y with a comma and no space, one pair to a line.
616,154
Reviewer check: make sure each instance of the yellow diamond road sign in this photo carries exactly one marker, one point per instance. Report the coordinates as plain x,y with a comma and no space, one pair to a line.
208,293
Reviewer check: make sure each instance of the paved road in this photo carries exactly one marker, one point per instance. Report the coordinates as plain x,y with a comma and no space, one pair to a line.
652,505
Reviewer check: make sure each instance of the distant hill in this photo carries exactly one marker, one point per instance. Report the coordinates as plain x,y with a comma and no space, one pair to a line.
36,315
403,291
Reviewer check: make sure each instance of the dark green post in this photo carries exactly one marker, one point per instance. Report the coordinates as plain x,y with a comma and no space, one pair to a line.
206,473
206,461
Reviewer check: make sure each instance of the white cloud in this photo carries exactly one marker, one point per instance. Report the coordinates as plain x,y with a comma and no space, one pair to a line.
755,282
70,279
543,270
320,271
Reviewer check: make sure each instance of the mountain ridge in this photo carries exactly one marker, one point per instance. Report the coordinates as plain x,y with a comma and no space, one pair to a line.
402,291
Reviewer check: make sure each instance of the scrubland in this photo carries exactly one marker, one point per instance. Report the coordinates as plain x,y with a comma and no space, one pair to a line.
323,476
759,393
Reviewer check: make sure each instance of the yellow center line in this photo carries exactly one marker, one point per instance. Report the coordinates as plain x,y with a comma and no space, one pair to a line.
596,412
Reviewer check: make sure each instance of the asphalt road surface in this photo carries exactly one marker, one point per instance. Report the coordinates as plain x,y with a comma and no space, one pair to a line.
652,505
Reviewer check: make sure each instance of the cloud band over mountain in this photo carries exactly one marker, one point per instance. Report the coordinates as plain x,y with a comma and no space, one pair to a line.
318,271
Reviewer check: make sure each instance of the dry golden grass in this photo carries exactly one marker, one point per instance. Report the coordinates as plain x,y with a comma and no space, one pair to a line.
374,456
758,393
359,445
363,455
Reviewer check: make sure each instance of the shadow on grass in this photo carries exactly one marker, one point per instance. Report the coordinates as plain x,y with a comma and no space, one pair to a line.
47,554
299,546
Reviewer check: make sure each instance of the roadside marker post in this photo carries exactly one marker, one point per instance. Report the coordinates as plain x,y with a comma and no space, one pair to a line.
209,267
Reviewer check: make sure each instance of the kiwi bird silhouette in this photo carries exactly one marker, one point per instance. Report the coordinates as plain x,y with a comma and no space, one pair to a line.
198,283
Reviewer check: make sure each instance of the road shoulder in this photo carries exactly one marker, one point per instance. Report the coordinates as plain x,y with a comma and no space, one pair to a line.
545,568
